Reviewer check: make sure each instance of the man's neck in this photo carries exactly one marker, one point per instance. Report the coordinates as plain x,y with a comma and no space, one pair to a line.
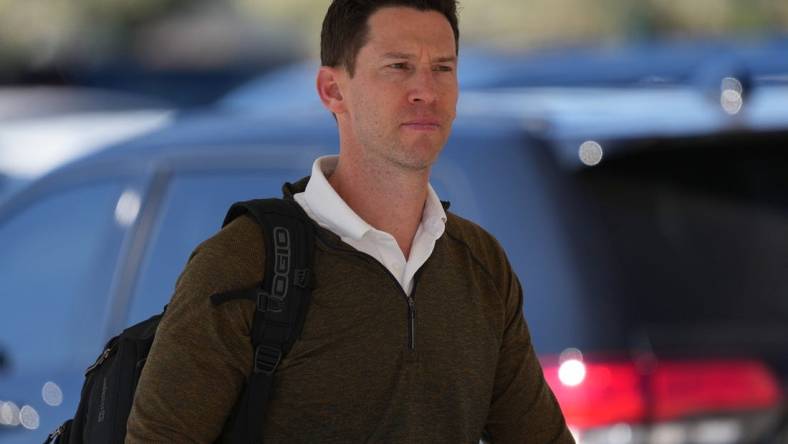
388,198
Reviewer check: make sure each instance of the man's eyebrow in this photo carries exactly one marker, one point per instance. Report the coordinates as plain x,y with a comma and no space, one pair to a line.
449,59
406,56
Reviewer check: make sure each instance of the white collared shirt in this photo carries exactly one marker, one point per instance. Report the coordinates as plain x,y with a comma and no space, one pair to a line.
326,207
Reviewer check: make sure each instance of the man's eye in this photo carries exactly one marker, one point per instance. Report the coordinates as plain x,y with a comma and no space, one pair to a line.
443,68
399,66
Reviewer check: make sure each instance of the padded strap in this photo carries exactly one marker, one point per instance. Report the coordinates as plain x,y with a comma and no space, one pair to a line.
281,302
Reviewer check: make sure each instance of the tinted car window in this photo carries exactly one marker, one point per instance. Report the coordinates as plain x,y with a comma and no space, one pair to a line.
56,264
192,211
699,239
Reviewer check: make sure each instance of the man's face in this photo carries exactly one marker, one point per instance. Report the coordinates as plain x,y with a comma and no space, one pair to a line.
401,100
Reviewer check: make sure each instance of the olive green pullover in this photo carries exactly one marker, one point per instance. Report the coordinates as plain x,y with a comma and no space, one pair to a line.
367,368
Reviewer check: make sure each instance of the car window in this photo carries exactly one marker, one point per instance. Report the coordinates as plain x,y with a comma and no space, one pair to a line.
192,211
701,257
56,264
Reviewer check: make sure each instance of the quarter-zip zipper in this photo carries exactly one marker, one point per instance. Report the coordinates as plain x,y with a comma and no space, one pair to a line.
411,323
408,297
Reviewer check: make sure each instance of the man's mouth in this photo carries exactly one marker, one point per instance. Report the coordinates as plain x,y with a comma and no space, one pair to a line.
422,125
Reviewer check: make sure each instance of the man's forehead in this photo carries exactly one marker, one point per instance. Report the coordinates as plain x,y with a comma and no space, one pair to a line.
405,31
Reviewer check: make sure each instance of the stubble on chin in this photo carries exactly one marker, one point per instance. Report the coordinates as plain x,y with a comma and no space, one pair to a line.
412,158
388,150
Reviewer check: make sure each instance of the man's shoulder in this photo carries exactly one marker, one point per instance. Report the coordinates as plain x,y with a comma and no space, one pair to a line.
240,241
465,230
233,258
482,245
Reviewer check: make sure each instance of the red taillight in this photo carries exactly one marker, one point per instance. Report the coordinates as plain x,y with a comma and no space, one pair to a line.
608,393
686,388
613,392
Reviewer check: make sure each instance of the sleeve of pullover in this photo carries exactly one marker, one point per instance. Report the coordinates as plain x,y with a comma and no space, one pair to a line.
523,409
201,353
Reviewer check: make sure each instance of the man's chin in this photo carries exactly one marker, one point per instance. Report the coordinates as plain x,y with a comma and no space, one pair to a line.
418,158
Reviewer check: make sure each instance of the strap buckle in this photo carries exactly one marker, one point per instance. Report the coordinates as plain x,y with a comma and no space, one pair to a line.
267,302
266,359
303,278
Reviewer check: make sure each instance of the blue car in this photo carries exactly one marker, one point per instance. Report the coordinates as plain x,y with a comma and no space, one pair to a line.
648,226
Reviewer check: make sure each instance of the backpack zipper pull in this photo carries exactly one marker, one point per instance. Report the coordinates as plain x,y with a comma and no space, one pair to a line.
99,361
56,433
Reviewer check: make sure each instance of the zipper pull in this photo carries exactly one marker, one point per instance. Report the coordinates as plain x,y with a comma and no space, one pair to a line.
99,361
56,434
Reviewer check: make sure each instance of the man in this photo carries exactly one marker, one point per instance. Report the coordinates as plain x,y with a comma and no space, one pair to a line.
415,332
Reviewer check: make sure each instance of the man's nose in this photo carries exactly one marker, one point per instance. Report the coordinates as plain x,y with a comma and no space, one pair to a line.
423,88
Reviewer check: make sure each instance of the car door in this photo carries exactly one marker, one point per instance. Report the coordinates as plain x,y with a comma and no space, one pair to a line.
60,244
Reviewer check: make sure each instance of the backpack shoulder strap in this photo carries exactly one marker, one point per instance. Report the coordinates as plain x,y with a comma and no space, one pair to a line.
281,302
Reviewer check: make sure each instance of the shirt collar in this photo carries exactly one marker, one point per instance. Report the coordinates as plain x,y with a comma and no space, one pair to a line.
434,217
333,213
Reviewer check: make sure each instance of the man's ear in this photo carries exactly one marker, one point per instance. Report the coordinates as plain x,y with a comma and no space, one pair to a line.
328,88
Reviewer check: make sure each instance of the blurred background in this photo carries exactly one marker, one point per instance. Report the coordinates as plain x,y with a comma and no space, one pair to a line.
61,61
189,52
642,146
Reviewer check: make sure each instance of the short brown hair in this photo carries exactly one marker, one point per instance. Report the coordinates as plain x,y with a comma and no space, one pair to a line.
346,26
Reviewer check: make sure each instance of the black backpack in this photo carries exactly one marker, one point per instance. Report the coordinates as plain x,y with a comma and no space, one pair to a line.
282,300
